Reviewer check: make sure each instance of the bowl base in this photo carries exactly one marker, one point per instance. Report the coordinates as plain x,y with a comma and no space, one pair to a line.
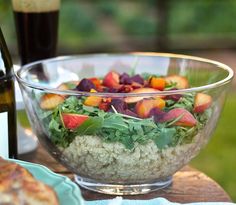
118,189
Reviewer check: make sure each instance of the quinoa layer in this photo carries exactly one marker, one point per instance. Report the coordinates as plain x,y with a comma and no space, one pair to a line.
112,162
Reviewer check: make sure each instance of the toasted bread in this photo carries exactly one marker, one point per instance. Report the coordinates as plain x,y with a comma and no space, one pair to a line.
18,186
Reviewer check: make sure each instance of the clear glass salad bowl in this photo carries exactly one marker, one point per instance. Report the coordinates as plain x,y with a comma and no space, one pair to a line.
124,123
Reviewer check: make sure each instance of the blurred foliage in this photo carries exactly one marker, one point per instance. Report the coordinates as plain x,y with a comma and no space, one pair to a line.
76,24
84,24
107,8
137,20
134,25
202,16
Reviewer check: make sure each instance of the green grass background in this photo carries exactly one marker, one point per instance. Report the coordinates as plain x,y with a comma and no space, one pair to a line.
218,158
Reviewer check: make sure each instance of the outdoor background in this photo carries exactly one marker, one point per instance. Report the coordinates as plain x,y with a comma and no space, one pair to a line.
204,28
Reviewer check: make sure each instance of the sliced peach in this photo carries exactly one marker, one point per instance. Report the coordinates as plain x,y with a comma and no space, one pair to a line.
157,83
202,102
139,90
50,101
181,82
93,100
186,118
72,121
144,106
112,80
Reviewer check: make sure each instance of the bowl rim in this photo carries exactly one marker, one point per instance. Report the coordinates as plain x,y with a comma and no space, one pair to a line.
222,82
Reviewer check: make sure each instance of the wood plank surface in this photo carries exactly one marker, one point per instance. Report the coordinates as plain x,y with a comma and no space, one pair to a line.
189,184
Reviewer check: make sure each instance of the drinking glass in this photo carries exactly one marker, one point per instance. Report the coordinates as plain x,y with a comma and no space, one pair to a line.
37,28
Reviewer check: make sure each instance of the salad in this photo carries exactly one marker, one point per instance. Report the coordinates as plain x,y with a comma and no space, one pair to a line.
128,138
167,120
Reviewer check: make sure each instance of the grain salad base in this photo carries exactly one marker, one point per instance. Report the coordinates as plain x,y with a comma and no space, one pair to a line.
112,162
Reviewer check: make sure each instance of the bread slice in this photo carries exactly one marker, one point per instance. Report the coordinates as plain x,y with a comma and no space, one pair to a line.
18,186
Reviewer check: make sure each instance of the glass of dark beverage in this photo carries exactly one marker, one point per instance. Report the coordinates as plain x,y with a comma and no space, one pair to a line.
37,28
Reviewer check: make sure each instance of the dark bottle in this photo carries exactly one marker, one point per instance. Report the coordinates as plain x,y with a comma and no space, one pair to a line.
8,137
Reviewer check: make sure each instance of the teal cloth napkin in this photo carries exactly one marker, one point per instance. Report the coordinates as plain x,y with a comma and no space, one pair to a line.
157,201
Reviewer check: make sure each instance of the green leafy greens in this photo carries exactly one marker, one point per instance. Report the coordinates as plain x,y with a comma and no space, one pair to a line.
115,127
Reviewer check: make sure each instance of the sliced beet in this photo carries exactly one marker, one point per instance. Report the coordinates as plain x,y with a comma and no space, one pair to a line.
85,85
130,113
158,114
119,105
174,97
125,89
113,90
138,79
125,79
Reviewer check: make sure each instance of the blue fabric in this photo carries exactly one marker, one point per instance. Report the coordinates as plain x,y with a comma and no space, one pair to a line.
157,201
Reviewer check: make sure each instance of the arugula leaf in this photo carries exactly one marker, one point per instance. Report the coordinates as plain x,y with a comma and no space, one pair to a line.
90,126
186,102
115,122
165,137
128,142
59,135
88,109
71,105
170,86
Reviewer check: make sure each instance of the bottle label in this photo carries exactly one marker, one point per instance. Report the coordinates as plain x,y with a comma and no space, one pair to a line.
4,149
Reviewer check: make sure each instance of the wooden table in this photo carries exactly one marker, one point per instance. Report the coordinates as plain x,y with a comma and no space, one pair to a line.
189,184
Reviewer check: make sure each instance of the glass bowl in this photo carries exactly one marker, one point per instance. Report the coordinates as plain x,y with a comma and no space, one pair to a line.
125,133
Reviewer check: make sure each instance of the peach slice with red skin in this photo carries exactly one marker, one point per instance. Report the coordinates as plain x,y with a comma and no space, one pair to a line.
50,101
139,90
144,106
181,81
187,119
112,80
72,121
202,102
